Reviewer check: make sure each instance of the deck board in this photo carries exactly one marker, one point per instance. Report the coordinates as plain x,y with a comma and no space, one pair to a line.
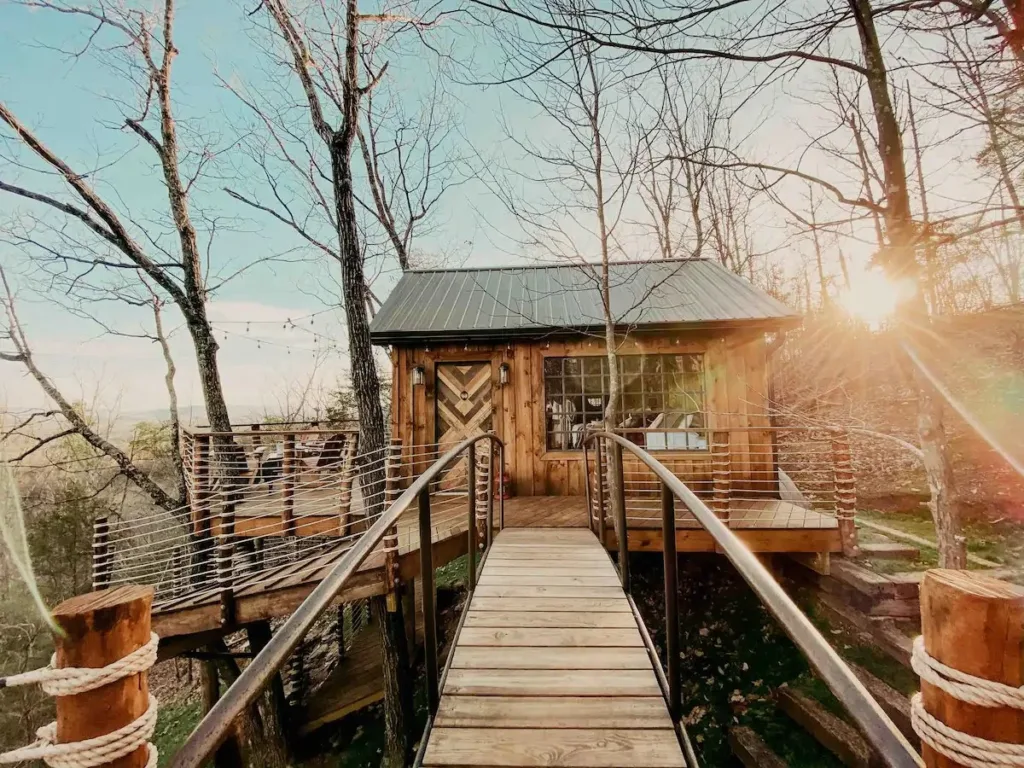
551,672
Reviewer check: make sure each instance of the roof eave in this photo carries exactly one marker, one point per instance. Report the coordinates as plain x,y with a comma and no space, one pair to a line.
541,332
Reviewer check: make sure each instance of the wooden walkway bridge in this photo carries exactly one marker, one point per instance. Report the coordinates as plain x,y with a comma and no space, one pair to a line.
550,644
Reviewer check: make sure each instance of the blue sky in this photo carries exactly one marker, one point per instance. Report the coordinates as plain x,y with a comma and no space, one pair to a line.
265,347
275,323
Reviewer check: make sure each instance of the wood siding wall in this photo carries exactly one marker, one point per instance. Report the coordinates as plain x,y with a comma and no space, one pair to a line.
736,386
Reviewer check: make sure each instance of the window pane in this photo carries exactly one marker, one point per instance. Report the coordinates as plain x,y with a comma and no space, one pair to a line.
593,365
552,366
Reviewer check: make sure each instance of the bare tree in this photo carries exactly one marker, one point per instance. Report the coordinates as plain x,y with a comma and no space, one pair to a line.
88,243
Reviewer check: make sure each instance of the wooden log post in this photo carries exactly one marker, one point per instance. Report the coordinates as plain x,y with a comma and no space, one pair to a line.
600,481
348,463
102,557
225,561
100,628
974,624
845,491
721,473
288,485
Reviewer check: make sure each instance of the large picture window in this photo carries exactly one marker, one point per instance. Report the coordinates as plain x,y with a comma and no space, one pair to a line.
658,391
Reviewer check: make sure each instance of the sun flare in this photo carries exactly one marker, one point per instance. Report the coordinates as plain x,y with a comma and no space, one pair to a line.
873,298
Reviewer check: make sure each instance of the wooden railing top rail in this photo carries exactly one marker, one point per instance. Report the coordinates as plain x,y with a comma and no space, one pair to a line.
879,729
276,429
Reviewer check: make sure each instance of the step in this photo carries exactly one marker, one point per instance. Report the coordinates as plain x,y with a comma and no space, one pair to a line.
750,749
895,705
835,734
890,550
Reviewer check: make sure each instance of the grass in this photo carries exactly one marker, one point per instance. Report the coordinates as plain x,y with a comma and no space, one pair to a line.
1001,542
174,723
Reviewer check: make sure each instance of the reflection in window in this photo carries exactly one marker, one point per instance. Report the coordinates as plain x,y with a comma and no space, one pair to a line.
658,392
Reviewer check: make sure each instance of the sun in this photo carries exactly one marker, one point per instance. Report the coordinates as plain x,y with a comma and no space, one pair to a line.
873,298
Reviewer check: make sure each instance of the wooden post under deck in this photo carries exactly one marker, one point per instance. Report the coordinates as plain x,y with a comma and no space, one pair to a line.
100,628
975,624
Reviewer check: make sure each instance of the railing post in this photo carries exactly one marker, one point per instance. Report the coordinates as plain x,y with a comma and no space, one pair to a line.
591,522
348,455
485,481
102,558
721,473
429,617
224,559
201,497
288,486
974,624
599,477
668,533
472,498
621,523
392,490
297,676
845,491
501,494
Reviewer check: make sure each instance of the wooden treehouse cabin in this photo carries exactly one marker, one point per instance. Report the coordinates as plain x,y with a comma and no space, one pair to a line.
521,351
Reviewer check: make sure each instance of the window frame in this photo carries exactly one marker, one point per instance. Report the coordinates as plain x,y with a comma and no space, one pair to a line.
552,452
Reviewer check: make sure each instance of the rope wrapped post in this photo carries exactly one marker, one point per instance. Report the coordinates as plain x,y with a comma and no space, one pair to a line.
721,473
102,557
101,628
392,490
481,492
970,711
845,491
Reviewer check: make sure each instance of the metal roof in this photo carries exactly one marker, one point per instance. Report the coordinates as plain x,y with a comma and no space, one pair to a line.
520,301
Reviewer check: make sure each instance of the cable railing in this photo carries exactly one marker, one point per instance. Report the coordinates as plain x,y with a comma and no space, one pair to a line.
752,477
229,538
480,517
604,451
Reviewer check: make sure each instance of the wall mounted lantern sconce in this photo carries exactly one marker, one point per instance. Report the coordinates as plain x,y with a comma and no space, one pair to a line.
418,376
503,374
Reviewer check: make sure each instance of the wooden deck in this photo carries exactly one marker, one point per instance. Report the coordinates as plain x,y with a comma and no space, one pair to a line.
550,667
275,592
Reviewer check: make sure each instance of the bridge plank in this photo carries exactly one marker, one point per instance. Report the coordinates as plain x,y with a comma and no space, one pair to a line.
548,604
541,580
583,748
551,637
582,619
541,591
551,712
528,682
484,657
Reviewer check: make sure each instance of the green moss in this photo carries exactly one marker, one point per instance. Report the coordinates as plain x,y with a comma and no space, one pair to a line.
454,574
174,723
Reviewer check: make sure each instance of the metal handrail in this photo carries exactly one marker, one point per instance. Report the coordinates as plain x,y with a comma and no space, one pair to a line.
879,729
213,728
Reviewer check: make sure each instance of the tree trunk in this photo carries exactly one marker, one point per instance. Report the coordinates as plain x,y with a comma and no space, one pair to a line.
273,708
365,383
901,263
397,681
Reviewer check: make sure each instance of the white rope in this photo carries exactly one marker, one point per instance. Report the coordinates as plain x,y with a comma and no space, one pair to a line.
960,747
71,680
99,750
971,751
962,686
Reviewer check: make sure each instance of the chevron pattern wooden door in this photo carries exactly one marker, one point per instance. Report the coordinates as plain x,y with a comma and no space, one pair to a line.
463,396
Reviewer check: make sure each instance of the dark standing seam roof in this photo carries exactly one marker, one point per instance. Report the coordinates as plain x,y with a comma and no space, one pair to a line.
529,300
